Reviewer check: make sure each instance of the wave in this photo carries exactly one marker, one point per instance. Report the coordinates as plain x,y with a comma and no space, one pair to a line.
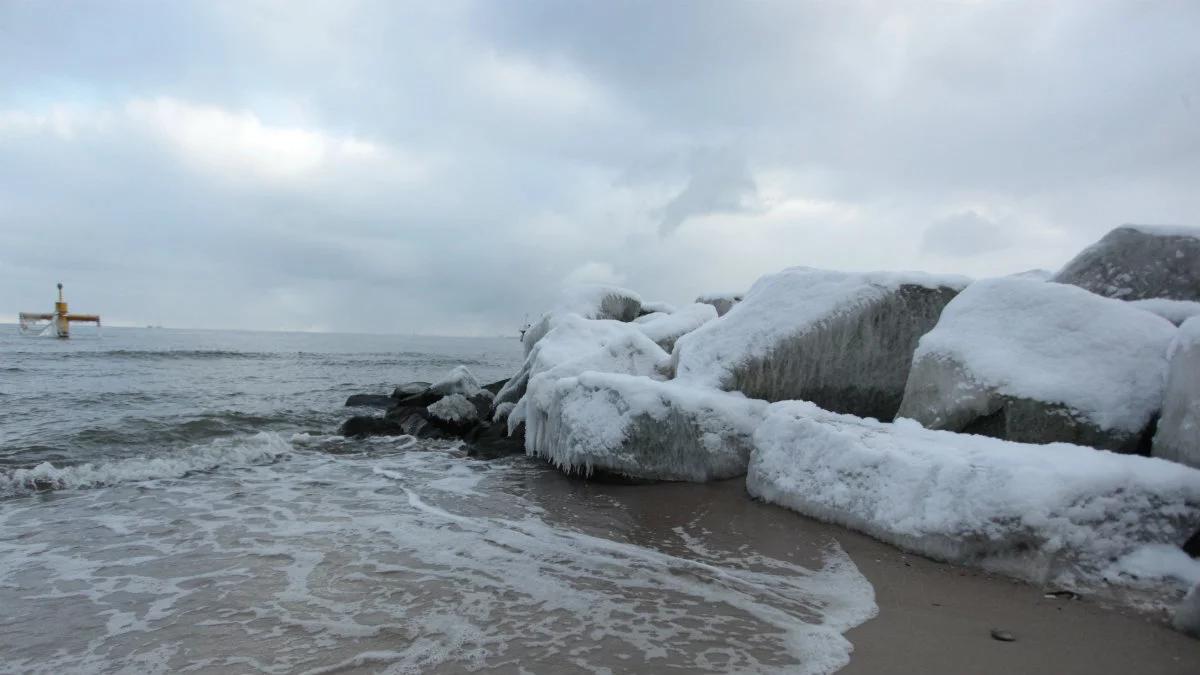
262,448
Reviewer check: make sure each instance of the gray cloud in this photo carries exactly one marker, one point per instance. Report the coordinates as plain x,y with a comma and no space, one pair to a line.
285,165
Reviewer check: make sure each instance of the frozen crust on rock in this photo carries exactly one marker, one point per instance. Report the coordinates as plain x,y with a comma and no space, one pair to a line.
1049,514
640,428
1178,435
1040,362
841,340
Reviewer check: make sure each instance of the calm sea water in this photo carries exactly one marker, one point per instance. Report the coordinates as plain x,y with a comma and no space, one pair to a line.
179,501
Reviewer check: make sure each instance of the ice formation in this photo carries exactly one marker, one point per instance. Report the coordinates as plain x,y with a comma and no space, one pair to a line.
589,301
1178,435
576,345
649,307
1139,261
1040,362
459,381
1058,513
454,408
841,340
722,302
639,427
665,329
1175,311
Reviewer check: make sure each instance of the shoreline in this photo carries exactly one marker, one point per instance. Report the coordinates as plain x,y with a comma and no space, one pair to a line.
936,618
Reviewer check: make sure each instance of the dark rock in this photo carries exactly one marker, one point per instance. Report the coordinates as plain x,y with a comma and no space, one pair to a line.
1137,262
410,389
495,387
423,399
368,425
489,441
414,421
1003,635
371,401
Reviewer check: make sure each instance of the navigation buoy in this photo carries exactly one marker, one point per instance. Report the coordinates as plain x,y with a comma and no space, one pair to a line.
60,319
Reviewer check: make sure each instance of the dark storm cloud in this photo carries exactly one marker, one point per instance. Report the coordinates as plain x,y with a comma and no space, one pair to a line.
302,165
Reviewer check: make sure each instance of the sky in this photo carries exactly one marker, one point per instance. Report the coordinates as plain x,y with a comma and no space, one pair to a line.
447,167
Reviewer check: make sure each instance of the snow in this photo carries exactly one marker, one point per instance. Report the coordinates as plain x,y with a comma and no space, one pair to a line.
1056,516
1178,434
1175,311
459,381
654,306
574,345
590,301
722,302
665,329
1104,359
1158,562
454,408
840,339
639,427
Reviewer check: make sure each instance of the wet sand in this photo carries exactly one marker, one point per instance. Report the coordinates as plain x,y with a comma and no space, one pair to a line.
933,617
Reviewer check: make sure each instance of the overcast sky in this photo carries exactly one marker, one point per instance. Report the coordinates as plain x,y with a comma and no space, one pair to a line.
445,167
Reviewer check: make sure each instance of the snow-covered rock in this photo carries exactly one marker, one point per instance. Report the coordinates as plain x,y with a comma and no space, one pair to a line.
1175,311
1058,513
652,306
1187,614
591,301
665,329
458,381
1134,262
841,340
641,428
454,408
576,345
1039,362
1178,435
1034,275
722,302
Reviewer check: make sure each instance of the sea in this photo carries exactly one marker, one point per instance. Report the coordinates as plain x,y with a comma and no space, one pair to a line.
181,501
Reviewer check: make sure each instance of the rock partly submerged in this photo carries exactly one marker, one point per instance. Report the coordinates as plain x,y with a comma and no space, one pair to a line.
841,340
1178,434
1040,362
1135,262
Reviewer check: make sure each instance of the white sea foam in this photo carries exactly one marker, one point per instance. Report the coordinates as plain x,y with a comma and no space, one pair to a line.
398,562
258,449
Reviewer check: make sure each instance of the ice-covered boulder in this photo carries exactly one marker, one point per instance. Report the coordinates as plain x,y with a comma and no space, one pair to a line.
576,345
722,302
590,301
641,428
1039,362
1134,262
1178,435
665,329
1175,311
454,412
1057,513
842,340
458,381
650,307
1187,614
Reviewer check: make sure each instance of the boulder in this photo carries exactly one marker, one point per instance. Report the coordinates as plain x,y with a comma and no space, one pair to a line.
457,381
1052,514
490,441
577,344
371,401
369,425
414,421
410,389
1178,434
665,329
590,302
1041,362
722,302
637,427
841,340
1135,262
653,307
454,413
